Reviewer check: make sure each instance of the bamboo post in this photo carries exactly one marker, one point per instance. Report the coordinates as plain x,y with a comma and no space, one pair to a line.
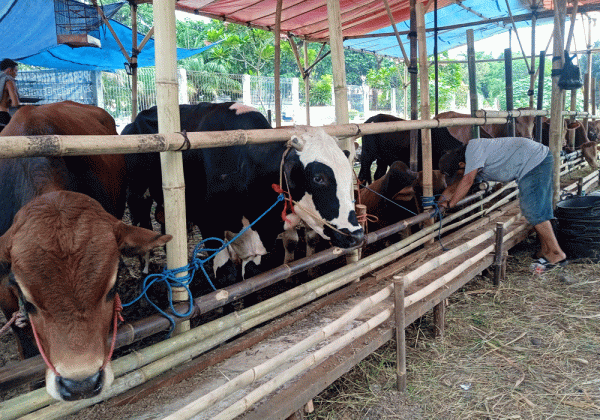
588,75
134,62
306,77
508,76
277,64
540,96
557,104
593,94
439,318
171,162
425,115
498,252
399,317
532,67
472,79
414,99
336,43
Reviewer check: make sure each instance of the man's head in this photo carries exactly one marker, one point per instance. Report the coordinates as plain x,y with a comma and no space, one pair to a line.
10,65
452,161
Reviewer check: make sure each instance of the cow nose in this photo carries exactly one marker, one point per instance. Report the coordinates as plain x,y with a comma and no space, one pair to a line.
72,390
344,238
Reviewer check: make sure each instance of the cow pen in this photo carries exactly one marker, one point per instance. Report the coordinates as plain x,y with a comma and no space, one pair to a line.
145,364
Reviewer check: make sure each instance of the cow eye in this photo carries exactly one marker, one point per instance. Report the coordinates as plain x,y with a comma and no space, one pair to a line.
319,179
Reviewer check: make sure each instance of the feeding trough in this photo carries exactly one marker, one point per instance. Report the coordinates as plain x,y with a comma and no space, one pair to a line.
578,226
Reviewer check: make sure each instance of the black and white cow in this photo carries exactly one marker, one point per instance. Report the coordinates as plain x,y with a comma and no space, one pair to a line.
229,187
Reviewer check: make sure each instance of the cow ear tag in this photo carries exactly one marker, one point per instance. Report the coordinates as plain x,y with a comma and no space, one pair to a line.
297,143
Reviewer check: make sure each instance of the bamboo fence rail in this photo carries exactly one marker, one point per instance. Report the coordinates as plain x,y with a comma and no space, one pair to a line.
58,145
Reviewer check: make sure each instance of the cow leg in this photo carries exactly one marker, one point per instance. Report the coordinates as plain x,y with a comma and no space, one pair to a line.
312,240
290,241
381,169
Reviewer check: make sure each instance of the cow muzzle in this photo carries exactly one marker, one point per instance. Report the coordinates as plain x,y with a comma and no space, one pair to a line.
72,390
343,238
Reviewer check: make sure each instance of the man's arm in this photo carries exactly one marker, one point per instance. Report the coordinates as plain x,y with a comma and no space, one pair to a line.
461,190
12,93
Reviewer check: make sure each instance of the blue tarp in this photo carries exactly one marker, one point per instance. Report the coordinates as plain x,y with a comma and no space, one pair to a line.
453,14
28,35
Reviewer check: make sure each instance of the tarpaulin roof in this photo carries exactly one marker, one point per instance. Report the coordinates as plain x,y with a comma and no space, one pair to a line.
308,18
28,35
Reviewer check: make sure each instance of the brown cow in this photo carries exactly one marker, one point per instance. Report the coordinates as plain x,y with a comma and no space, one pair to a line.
575,138
395,196
60,245
523,127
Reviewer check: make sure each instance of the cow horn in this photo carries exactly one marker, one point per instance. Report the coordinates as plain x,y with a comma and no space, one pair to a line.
297,143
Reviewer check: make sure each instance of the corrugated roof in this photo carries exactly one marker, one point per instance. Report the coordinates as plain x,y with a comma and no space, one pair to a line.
308,19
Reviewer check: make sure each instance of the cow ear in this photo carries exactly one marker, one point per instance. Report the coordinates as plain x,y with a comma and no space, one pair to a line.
291,167
133,240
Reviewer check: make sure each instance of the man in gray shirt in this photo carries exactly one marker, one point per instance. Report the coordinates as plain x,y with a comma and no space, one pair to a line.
504,160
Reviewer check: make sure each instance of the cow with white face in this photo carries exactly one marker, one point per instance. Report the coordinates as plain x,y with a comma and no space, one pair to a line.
229,187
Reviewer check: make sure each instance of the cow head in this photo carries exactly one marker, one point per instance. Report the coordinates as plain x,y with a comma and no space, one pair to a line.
64,248
320,179
524,125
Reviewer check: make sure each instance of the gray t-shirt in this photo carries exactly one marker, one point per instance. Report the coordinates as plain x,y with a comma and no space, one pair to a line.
504,159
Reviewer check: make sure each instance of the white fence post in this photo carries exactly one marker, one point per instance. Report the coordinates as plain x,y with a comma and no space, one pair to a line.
183,92
97,89
366,99
295,98
393,101
246,91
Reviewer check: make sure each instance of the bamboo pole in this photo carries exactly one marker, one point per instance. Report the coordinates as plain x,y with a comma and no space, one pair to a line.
414,99
400,320
472,78
508,77
61,145
446,278
277,64
532,67
312,360
514,113
393,22
498,253
588,75
336,44
557,103
171,162
134,62
252,375
306,78
540,95
424,78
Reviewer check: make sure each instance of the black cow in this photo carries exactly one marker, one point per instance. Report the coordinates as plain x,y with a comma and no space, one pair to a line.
228,187
386,148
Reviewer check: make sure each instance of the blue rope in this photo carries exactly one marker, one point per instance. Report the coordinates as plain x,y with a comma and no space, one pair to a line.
169,276
431,202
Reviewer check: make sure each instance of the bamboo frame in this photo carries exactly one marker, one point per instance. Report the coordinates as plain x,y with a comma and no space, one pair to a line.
250,376
400,320
171,162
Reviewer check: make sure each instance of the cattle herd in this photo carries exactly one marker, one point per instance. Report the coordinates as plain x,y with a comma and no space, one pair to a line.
62,234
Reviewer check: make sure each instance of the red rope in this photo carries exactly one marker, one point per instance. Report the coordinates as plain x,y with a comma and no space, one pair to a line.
116,318
288,203
9,323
